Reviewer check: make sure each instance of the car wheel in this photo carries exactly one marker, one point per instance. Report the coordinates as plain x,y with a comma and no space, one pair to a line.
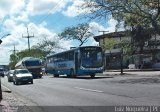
72,74
17,82
14,82
92,75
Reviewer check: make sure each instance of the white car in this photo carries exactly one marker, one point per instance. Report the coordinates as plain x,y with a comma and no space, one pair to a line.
10,75
22,76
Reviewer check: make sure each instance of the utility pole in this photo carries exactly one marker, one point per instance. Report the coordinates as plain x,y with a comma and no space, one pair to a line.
14,52
28,36
103,35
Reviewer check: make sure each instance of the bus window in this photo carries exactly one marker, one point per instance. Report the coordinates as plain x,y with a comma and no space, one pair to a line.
91,58
71,55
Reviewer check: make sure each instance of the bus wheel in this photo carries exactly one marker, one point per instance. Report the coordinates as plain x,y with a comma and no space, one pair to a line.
92,75
17,83
56,75
40,76
72,74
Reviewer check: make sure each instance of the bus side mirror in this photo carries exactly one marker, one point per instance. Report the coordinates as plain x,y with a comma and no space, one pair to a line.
23,63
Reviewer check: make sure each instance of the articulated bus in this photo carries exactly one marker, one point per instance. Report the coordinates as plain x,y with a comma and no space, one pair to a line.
34,65
86,60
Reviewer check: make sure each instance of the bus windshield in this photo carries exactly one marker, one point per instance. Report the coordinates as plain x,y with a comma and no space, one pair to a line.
91,57
33,63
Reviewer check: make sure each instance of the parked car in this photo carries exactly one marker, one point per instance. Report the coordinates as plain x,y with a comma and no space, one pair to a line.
2,72
22,76
10,75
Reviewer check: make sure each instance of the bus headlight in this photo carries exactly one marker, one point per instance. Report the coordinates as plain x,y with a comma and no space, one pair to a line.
82,68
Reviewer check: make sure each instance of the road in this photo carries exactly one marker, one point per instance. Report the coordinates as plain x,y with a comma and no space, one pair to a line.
84,91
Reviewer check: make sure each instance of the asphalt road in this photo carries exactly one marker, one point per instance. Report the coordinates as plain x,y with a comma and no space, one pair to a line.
84,91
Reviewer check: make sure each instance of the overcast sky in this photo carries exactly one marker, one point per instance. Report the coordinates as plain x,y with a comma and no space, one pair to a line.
43,18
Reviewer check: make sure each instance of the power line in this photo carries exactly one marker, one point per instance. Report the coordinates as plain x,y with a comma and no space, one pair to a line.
49,12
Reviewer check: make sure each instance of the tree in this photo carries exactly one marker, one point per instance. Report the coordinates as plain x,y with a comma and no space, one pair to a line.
140,17
79,32
109,44
13,61
145,12
48,46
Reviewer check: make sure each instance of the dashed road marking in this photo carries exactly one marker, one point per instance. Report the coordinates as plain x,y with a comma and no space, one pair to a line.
86,89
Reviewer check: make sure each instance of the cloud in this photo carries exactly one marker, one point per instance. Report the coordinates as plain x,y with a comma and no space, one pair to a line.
77,8
40,31
15,14
23,16
45,6
74,9
98,29
20,10
10,7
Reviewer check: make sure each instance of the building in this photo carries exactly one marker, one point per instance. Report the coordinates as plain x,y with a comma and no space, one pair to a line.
149,58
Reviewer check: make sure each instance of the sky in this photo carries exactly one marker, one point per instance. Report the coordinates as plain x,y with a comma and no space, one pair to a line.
44,18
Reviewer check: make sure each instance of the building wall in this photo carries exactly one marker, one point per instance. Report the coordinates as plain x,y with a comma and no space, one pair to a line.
148,58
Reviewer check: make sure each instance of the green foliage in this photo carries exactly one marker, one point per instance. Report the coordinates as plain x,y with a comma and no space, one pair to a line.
79,32
40,50
132,12
14,58
37,53
109,44
126,47
137,16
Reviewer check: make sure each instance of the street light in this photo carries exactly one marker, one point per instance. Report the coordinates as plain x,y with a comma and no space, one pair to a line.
0,77
3,37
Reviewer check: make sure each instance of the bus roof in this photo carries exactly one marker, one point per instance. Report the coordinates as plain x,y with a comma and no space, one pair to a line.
73,48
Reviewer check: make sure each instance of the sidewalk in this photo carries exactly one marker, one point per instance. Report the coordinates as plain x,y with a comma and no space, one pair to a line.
138,72
11,103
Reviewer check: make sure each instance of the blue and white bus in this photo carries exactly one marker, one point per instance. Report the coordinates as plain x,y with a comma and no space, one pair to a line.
86,60
34,65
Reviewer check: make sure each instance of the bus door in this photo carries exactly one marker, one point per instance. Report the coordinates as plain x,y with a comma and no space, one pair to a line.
76,61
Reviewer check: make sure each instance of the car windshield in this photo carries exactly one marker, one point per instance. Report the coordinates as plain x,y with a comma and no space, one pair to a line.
33,63
22,71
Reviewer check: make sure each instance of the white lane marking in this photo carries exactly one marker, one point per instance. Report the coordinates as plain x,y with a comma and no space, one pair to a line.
7,89
93,90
